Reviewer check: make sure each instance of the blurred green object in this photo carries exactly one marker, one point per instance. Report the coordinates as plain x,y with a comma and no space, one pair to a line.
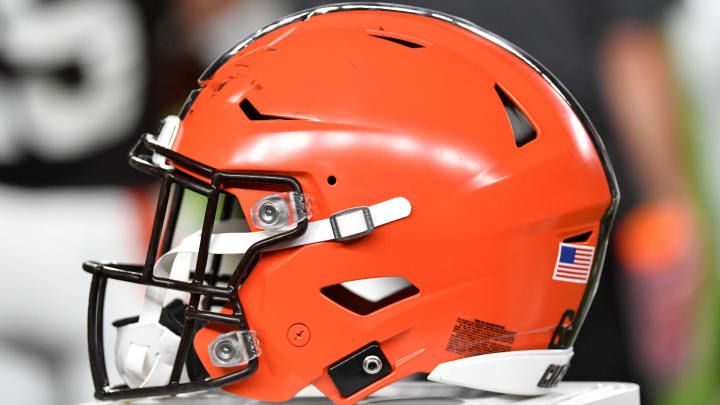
700,382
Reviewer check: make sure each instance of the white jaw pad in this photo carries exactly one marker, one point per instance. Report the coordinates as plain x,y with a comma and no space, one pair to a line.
165,138
523,372
144,354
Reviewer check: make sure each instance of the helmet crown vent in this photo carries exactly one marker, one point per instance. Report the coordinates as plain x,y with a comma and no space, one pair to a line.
522,129
399,41
254,115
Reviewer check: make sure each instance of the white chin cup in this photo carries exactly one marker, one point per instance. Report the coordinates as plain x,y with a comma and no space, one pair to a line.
145,353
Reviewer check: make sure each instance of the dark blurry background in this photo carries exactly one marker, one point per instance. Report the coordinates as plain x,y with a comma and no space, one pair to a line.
81,79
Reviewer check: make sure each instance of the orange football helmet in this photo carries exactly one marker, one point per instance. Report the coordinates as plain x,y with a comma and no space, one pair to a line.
390,190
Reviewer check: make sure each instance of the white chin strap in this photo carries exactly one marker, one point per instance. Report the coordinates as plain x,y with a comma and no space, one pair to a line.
145,350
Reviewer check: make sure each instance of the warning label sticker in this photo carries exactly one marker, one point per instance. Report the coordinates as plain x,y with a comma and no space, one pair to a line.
472,338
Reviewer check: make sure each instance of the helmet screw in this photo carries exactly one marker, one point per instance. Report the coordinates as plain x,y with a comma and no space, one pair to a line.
269,213
298,335
224,350
372,365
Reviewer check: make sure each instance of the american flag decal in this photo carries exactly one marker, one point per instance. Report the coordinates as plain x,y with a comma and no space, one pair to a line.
573,263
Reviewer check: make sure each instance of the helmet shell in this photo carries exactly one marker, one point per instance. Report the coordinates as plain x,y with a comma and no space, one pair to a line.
335,97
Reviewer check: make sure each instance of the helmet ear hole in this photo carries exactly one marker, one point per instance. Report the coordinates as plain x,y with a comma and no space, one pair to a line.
331,180
366,296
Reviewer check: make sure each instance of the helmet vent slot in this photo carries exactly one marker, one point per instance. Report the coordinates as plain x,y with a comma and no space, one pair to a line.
366,296
403,42
581,237
254,115
522,129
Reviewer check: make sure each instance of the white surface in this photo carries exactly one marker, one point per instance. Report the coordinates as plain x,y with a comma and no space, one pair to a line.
429,393
46,235
515,372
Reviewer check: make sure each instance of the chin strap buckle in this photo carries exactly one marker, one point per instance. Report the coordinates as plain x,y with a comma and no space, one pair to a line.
351,223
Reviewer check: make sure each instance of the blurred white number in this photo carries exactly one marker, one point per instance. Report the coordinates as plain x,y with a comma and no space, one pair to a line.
41,114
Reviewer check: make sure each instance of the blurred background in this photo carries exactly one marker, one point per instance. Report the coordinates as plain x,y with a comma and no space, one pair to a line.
81,79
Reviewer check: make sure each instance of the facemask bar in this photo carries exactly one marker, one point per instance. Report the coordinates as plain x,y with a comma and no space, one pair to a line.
214,276
143,274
